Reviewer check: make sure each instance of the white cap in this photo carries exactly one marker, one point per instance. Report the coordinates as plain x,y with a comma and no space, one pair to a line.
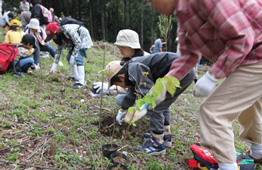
34,23
128,38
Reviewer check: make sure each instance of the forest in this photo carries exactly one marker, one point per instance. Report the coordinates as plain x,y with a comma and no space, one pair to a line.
104,18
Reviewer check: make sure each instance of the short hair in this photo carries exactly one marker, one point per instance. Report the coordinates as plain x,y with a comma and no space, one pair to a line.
162,37
28,39
11,15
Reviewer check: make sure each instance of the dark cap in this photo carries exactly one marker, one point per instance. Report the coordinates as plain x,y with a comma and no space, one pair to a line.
28,38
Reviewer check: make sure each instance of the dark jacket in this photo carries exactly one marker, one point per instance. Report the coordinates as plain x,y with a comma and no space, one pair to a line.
157,65
37,13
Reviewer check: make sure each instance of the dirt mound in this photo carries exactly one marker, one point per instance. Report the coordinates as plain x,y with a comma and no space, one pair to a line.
108,124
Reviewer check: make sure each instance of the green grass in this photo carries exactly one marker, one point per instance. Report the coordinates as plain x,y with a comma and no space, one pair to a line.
67,130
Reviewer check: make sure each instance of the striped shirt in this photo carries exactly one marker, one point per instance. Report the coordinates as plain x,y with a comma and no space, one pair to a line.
227,32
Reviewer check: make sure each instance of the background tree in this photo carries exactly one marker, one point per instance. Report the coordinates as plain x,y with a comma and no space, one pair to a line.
104,18
164,26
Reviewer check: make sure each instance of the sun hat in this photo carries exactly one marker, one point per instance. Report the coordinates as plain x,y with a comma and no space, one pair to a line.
14,22
128,38
112,69
51,29
34,24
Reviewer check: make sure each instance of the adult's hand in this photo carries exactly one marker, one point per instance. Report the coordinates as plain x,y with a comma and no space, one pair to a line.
205,85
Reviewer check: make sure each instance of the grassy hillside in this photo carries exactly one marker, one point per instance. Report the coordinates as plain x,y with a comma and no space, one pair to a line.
47,125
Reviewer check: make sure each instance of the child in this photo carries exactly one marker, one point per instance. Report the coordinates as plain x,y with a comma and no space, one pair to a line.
130,75
14,35
23,59
75,38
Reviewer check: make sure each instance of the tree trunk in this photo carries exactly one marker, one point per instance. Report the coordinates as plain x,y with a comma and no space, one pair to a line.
125,13
141,23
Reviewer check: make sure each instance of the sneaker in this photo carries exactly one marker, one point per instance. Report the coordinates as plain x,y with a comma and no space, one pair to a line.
78,86
71,78
46,55
18,74
166,138
152,147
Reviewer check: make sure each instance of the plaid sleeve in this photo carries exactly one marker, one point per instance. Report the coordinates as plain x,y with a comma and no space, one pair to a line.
232,23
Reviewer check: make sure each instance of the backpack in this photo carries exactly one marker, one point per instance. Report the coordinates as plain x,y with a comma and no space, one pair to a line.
46,14
69,20
8,52
204,159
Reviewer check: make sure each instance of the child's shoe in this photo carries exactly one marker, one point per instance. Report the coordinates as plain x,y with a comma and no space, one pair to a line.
152,147
166,138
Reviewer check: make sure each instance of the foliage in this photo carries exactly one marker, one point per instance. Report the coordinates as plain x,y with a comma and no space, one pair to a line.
165,25
112,16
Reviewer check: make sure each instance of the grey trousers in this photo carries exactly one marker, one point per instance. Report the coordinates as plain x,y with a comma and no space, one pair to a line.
160,116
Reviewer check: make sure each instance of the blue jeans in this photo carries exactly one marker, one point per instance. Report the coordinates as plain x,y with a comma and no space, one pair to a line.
47,48
79,57
25,62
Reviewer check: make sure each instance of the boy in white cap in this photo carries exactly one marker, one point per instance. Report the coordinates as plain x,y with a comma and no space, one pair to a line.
130,75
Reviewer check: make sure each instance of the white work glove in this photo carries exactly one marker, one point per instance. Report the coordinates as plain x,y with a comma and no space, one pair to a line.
119,116
98,87
137,115
72,60
205,85
53,68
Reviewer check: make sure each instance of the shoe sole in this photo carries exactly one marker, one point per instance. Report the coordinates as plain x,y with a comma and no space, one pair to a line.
163,152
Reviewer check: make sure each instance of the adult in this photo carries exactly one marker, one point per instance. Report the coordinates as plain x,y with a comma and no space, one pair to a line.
25,17
53,14
35,29
158,45
14,35
24,5
5,20
78,40
227,33
37,13
127,41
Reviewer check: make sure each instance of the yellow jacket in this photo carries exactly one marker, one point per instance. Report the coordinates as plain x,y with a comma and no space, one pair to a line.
14,37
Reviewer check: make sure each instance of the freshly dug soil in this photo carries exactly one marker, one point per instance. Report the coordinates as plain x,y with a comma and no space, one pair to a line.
107,128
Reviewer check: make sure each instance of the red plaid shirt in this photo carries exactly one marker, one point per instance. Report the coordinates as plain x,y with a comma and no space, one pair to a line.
227,32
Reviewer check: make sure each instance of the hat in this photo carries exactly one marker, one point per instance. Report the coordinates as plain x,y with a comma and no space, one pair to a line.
14,22
112,69
29,38
51,29
34,24
128,38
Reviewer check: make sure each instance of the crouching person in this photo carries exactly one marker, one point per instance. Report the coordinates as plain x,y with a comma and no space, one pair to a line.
77,39
130,75
24,59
